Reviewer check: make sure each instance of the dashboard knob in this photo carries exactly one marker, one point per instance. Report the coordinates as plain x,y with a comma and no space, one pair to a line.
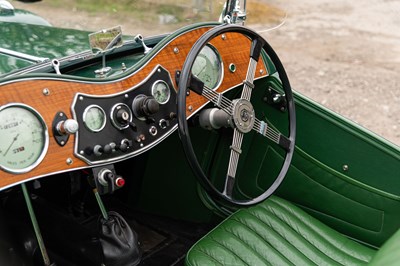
107,149
125,145
69,126
145,106
151,106
98,150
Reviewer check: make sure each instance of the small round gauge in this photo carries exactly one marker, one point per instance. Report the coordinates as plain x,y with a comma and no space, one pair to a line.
208,67
94,118
160,91
24,138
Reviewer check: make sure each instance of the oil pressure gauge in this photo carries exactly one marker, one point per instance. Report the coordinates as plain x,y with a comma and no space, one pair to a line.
94,118
161,92
24,138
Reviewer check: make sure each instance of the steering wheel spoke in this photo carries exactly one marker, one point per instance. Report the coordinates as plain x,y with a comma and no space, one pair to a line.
262,128
233,162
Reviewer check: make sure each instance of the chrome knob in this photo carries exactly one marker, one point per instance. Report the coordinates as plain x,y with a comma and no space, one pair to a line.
69,126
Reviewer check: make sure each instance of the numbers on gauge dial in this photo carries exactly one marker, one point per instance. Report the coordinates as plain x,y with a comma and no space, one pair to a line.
208,67
23,139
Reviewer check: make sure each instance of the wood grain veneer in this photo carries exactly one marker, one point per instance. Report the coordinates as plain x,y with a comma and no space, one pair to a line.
235,48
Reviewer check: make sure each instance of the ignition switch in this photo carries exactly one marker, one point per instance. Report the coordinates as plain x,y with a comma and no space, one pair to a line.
121,116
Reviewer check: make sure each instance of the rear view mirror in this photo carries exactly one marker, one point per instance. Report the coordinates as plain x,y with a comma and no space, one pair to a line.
106,39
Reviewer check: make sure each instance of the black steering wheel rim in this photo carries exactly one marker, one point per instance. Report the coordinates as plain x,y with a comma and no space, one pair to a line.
184,83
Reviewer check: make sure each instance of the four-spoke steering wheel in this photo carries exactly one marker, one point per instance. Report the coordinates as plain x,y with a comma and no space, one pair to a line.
240,112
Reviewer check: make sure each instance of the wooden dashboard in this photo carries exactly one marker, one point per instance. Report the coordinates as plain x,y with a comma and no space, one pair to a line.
49,96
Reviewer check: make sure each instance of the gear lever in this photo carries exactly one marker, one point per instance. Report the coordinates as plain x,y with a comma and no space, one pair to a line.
119,243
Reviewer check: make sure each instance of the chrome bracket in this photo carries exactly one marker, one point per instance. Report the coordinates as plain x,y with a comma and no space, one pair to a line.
139,39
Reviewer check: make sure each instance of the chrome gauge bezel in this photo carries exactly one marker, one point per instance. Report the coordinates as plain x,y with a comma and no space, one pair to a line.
220,65
84,118
45,136
115,123
166,85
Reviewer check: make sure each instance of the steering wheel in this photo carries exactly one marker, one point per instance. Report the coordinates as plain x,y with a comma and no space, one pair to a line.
240,112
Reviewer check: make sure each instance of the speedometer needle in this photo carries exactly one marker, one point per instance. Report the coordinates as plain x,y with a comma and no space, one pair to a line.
14,140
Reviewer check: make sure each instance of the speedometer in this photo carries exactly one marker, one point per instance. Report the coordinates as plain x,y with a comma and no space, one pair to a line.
24,138
208,67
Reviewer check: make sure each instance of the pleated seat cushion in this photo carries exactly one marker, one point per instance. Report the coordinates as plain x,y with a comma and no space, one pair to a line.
276,232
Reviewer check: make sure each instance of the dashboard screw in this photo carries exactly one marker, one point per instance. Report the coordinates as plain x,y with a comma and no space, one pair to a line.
69,161
223,36
261,71
46,91
176,50
345,167
190,108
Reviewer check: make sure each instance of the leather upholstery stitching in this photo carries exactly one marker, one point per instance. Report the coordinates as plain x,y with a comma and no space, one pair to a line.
266,241
297,233
312,228
228,249
247,244
266,222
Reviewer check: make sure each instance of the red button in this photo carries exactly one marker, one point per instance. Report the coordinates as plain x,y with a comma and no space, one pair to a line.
120,182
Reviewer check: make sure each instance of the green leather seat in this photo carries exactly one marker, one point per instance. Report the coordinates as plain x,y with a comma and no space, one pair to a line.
276,232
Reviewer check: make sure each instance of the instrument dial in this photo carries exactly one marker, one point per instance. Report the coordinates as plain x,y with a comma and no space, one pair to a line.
208,67
94,118
24,138
161,92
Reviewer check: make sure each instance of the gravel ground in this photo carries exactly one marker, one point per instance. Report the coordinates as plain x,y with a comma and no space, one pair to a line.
343,54
346,56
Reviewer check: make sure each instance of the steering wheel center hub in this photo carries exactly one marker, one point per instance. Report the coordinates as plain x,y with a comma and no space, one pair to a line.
243,115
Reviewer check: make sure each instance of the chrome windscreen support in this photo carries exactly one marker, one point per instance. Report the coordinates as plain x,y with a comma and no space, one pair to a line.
56,65
235,12
139,39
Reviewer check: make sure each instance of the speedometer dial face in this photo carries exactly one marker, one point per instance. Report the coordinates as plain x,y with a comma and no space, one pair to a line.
24,138
208,67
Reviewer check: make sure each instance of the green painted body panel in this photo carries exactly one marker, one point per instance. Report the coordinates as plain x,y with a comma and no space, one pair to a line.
40,41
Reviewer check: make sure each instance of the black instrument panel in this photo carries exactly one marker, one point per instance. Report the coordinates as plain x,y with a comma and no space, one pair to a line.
118,126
